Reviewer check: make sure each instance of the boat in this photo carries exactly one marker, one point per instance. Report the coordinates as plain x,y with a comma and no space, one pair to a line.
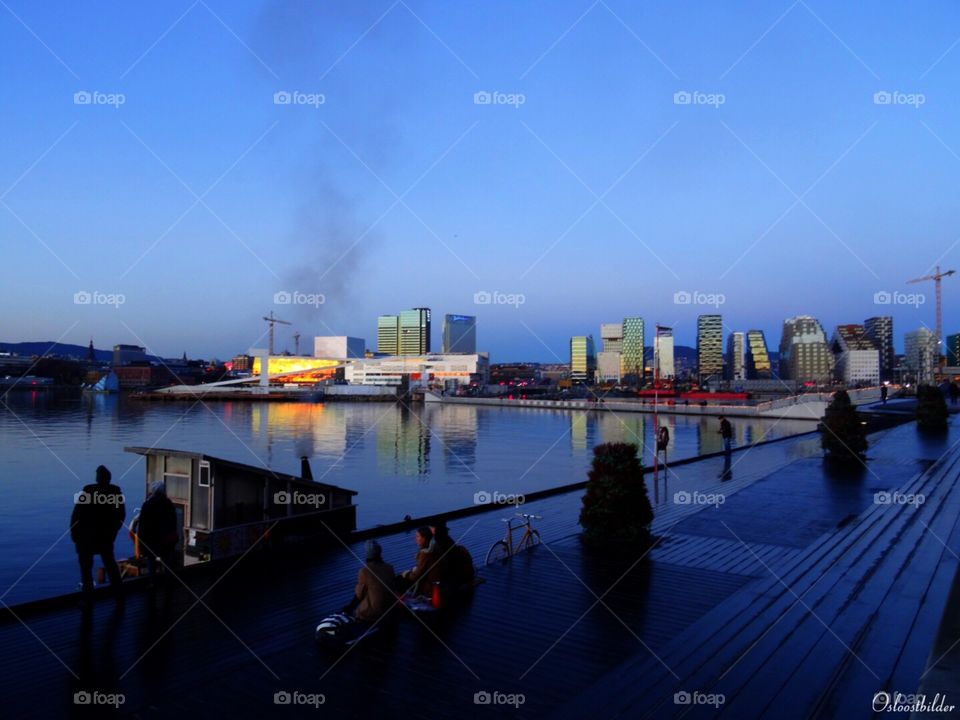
225,508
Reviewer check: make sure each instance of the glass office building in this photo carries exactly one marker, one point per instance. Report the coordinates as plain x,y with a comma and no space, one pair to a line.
631,354
709,347
388,334
583,363
415,331
459,334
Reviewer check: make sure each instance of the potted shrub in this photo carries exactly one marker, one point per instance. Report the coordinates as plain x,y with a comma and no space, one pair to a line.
842,435
931,408
616,510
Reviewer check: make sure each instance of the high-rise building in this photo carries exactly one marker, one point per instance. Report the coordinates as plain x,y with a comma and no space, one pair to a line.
583,362
459,334
388,334
953,349
709,346
663,352
920,354
631,356
756,357
880,331
611,337
736,351
415,331
856,358
608,366
804,352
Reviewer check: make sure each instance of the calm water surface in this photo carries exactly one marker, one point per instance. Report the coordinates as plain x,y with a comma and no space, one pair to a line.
400,460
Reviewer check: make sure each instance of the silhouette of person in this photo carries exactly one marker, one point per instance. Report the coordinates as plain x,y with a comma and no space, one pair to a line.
98,513
157,529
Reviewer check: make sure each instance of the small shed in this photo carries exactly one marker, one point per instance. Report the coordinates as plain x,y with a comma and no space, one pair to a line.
224,507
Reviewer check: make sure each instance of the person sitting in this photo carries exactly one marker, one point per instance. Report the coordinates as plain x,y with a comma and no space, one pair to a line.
420,577
454,563
374,594
462,571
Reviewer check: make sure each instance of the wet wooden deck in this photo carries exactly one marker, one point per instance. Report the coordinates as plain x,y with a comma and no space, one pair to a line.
751,598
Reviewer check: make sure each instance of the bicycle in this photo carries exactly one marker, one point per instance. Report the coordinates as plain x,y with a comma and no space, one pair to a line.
504,549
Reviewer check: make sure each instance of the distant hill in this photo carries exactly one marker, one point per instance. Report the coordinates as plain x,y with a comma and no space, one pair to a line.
48,347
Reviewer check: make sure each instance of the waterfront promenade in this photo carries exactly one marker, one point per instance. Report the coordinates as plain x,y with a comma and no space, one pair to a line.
713,608
808,406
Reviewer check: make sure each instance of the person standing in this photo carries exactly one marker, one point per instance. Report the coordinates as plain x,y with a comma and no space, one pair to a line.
883,394
157,529
726,432
98,514
663,441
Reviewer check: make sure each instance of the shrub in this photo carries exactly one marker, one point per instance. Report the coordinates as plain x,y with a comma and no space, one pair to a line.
842,435
616,509
931,408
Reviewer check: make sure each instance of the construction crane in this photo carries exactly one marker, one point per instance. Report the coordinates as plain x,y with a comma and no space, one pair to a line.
273,321
296,343
936,277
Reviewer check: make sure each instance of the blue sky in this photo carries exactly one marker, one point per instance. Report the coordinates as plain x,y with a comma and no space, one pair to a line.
588,189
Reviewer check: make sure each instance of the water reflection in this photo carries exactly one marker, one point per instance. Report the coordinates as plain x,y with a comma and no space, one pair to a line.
403,443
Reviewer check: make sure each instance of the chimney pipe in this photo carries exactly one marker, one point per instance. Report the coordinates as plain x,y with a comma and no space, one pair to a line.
305,472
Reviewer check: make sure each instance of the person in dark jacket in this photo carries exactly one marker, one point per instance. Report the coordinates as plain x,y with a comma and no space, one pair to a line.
726,432
98,513
157,529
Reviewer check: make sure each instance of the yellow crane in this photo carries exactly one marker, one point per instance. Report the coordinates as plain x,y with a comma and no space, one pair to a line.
273,321
936,277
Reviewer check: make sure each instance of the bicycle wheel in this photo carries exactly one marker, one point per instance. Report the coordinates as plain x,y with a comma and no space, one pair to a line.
532,539
498,552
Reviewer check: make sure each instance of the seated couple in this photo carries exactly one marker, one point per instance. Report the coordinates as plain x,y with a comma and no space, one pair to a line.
438,561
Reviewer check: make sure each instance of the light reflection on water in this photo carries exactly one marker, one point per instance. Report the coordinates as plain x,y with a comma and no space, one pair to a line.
402,460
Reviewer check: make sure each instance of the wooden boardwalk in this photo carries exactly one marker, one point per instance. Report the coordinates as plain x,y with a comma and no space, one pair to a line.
852,615
798,596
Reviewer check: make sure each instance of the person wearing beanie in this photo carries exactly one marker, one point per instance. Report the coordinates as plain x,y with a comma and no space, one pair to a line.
157,529
374,594
98,514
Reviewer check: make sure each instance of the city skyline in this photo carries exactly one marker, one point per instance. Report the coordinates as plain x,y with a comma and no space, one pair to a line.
333,164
